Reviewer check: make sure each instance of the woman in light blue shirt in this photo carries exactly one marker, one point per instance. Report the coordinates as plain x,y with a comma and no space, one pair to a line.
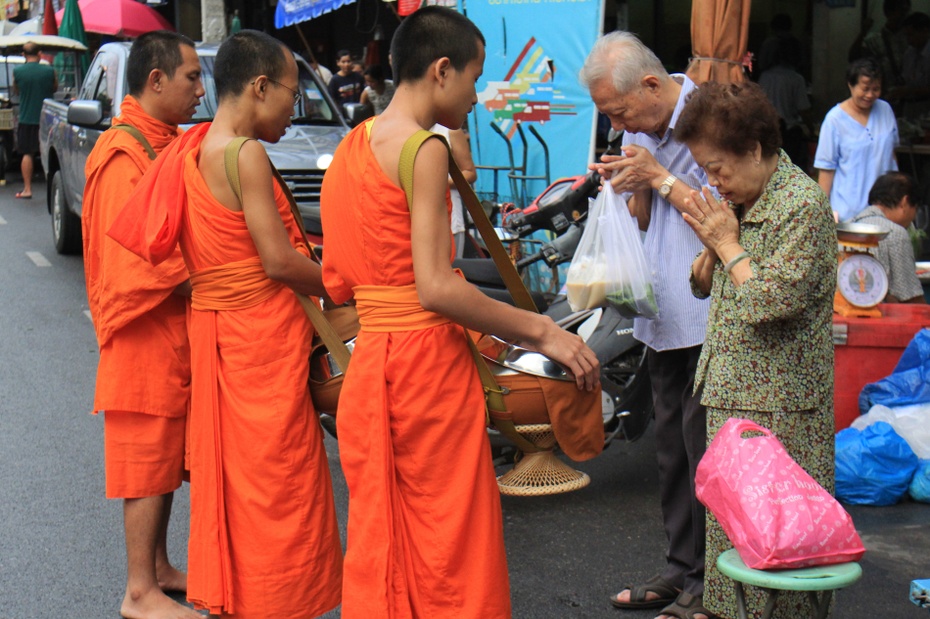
857,142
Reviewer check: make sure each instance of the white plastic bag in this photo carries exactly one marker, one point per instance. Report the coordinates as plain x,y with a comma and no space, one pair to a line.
609,265
912,423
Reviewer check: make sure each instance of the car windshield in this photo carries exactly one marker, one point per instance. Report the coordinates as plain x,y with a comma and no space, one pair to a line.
313,108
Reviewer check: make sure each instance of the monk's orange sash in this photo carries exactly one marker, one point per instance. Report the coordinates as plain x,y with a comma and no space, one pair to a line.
232,286
383,309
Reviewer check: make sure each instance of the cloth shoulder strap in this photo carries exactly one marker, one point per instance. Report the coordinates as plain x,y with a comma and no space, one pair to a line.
139,138
493,394
513,281
327,333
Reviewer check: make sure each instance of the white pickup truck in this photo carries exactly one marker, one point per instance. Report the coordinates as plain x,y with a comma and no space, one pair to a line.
68,132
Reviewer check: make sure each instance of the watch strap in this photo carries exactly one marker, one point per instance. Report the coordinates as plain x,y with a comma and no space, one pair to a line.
668,182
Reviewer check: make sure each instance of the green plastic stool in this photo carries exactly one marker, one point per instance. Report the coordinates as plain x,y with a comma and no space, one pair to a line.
818,580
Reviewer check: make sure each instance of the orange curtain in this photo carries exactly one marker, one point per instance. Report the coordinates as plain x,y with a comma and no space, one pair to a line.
719,35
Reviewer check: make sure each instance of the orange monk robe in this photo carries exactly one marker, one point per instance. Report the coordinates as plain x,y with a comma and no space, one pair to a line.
264,540
425,534
141,326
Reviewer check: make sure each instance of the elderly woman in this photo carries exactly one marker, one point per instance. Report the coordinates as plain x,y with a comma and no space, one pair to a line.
857,141
769,266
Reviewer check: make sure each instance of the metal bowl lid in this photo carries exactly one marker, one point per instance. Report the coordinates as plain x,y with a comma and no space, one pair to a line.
513,357
506,234
323,366
859,233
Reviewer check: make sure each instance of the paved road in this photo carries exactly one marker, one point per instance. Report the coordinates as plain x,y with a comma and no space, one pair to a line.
61,548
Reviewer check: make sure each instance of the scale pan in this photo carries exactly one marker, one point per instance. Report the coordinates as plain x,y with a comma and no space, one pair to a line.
859,233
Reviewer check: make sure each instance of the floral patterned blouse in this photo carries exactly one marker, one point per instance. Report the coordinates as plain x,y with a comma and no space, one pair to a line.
769,343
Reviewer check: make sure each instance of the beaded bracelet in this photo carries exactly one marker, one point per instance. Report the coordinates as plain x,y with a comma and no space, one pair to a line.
736,260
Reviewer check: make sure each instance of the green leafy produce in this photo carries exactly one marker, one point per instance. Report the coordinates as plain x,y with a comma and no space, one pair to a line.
625,302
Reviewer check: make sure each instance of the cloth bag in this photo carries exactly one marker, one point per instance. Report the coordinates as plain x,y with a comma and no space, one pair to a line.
771,509
516,398
334,329
609,265
327,369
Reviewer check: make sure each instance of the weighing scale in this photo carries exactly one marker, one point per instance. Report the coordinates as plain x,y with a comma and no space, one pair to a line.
861,281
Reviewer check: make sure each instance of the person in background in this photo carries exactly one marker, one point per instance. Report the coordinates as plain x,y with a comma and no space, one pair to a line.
324,73
887,46
857,141
33,82
139,313
769,268
913,94
461,152
358,67
346,85
893,208
770,51
628,83
264,540
787,90
378,91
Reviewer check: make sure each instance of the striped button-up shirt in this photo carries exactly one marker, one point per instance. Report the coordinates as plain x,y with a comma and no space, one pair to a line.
671,245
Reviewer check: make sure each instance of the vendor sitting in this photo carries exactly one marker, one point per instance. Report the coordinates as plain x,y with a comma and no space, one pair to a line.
893,209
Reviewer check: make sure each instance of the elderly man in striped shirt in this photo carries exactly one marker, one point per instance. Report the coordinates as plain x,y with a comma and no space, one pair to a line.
628,83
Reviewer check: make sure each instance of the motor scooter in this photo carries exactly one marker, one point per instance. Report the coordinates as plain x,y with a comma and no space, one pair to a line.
626,391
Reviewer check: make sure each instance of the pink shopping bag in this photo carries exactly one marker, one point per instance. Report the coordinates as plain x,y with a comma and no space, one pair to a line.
772,510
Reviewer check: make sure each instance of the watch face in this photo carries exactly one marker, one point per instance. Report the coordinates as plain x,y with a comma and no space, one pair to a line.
862,281
664,190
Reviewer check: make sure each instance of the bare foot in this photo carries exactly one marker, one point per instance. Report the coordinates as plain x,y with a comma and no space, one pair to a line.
171,578
154,604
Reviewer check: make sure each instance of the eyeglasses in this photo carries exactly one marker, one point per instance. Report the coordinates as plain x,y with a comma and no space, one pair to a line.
296,94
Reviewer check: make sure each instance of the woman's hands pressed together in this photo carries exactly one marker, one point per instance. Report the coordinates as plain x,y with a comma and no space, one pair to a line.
713,221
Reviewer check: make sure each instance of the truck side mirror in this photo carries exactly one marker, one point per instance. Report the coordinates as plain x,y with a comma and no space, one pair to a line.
356,113
85,113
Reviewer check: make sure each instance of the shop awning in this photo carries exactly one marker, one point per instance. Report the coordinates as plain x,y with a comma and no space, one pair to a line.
290,12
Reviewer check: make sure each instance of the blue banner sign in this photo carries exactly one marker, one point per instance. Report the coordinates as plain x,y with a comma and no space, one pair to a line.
535,49
290,12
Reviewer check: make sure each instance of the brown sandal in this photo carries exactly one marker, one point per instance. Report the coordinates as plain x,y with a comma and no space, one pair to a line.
658,585
686,606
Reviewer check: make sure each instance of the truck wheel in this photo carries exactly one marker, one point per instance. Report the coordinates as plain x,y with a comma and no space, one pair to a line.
66,226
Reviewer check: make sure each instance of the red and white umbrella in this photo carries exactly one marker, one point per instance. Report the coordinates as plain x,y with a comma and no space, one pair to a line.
122,18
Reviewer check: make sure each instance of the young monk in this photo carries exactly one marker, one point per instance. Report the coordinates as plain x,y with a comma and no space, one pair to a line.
425,536
264,541
140,313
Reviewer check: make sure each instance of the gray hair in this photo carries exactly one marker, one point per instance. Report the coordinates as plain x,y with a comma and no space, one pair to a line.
623,58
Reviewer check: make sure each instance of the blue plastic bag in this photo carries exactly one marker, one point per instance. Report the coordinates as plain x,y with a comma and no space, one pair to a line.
873,466
909,383
920,484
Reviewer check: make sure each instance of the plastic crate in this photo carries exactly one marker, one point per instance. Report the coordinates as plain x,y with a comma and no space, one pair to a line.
868,349
6,119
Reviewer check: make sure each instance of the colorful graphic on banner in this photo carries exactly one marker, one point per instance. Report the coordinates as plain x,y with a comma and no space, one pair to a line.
10,8
526,94
535,49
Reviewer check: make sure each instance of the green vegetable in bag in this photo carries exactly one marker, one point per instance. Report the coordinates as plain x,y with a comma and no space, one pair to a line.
624,301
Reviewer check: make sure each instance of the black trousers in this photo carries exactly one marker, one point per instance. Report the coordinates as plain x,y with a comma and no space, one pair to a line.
681,439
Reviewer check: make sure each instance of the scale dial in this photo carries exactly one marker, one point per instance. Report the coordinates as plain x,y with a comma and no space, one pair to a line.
862,280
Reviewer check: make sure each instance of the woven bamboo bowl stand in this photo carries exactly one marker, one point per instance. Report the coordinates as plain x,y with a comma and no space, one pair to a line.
540,473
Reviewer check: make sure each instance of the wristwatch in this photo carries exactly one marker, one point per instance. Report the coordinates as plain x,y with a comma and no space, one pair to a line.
666,187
